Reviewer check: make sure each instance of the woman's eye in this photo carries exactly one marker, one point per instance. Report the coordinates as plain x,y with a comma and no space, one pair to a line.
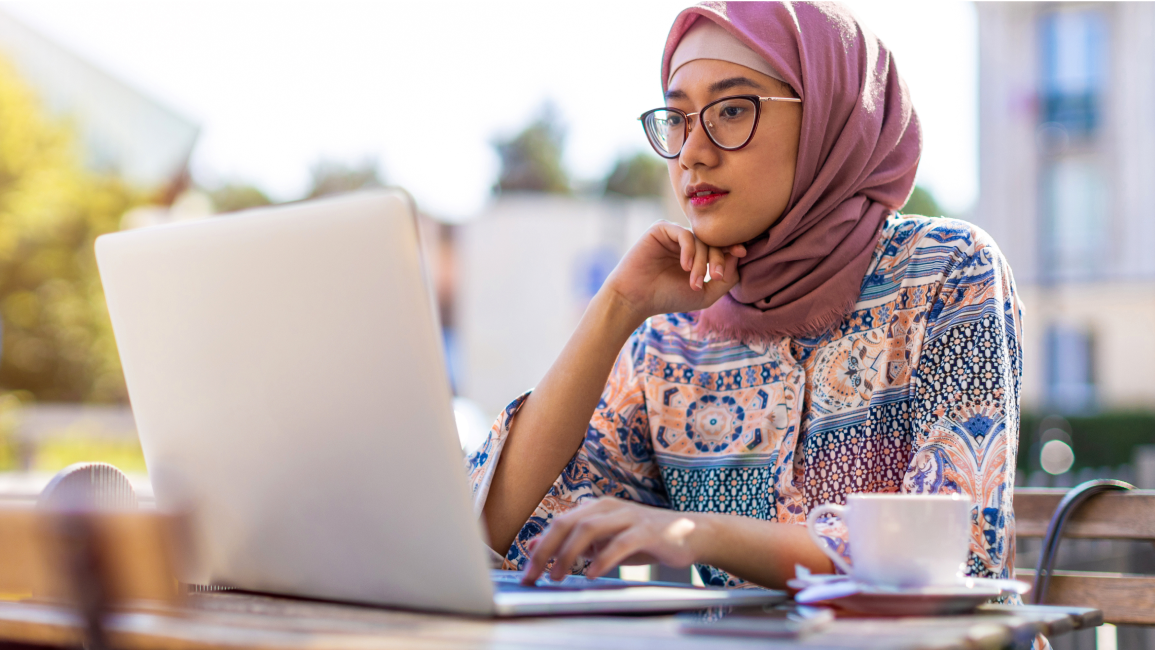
732,112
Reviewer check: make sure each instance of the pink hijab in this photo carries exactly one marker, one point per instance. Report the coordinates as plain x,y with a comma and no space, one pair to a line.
858,152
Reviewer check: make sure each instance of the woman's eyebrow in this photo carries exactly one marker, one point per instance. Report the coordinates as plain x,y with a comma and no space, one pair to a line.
719,86
734,82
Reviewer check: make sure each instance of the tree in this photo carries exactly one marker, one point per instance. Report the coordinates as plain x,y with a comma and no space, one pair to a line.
232,197
331,177
642,174
57,338
922,202
531,161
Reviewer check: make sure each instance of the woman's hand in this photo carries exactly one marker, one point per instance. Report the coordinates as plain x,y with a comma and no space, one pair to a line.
665,272
611,532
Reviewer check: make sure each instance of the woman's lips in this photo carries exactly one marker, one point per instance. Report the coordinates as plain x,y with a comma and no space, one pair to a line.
702,199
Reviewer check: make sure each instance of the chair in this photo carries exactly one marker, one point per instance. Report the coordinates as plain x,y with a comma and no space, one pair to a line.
88,486
74,494
1100,509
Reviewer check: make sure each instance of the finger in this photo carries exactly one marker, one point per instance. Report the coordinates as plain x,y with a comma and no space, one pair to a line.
545,546
737,250
717,264
583,536
731,274
618,550
701,259
718,288
686,242
666,234
534,568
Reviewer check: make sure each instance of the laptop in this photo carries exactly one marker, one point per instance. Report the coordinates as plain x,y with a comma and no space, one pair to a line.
286,372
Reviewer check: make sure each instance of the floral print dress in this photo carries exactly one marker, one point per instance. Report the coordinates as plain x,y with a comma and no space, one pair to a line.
916,391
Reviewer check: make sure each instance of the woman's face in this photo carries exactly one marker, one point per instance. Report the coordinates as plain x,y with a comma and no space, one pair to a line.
746,190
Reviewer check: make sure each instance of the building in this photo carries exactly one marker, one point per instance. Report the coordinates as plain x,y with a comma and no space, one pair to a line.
1067,164
525,270
122,131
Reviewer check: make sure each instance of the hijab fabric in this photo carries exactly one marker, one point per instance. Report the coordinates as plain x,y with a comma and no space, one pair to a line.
707,40
857,155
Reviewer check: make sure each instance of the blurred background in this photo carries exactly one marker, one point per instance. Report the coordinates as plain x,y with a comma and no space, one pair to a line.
512,124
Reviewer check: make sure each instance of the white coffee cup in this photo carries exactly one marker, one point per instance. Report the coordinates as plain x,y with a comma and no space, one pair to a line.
902,540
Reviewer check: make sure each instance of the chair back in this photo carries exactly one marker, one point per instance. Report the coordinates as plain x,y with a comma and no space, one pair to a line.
1093,510
88,486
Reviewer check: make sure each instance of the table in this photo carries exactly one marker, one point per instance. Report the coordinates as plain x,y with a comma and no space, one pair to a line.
235,620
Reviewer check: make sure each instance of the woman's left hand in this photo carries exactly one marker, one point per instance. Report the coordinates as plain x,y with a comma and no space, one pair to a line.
611,532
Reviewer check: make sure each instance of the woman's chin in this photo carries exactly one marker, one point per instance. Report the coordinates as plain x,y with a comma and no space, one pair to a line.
716,237
721,230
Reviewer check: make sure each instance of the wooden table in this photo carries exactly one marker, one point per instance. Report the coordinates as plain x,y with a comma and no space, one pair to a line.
232,620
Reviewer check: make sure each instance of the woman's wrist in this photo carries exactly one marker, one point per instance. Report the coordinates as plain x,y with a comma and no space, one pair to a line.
617,315
762,552
704,537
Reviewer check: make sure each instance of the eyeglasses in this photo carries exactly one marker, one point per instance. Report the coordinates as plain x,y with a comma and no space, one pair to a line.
730,123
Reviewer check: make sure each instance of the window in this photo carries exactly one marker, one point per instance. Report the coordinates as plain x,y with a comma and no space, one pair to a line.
1070,369
1074,69
1076,219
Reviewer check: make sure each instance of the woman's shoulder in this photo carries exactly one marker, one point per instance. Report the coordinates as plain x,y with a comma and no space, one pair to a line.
934,245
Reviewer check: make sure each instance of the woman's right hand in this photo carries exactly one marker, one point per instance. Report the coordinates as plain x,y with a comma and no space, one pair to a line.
665,272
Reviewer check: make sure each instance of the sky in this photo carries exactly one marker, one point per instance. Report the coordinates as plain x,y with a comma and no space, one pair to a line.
426,87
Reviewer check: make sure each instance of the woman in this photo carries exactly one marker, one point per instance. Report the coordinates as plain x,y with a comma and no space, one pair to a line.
801,342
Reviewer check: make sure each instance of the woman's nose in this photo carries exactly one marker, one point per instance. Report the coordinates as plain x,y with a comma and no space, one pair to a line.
698,149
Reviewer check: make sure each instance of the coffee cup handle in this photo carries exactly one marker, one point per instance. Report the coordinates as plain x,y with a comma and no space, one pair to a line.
827,509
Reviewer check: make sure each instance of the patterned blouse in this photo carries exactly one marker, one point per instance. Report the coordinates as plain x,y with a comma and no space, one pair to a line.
916,391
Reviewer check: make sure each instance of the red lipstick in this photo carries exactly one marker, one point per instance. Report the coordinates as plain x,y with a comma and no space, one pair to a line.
703,194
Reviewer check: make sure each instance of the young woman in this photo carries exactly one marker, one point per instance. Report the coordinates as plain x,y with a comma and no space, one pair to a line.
803,341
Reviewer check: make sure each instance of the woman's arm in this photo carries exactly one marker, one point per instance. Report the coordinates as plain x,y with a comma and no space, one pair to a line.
551,424
664,272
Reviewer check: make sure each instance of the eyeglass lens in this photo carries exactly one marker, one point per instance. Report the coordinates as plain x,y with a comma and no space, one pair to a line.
729,124
666,130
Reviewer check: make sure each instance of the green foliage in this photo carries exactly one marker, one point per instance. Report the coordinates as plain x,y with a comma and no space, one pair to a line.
1105,439
531,161
82,447
330,177
232,197
643,174
57,339
922,202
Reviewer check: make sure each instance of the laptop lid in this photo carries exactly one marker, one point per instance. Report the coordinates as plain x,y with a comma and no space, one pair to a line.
286,374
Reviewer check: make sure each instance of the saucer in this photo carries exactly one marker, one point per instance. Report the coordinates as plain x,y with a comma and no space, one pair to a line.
845,593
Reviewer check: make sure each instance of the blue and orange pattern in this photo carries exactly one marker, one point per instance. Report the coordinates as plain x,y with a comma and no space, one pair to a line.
916,391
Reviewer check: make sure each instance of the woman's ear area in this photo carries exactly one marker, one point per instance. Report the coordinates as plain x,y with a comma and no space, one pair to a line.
783,89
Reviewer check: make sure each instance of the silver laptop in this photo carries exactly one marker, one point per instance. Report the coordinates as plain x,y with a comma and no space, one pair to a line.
286,373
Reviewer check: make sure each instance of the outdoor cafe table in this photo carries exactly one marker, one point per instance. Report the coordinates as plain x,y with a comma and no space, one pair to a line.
234,620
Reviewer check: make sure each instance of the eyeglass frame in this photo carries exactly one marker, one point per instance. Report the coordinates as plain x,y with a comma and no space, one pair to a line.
755,99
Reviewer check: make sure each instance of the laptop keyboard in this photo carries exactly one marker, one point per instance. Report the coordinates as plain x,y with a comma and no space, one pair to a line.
507,581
